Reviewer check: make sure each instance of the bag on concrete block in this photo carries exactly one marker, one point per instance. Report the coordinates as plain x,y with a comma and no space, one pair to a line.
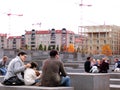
13,81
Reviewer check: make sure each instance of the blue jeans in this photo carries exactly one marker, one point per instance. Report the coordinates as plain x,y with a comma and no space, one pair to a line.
65,81
3,70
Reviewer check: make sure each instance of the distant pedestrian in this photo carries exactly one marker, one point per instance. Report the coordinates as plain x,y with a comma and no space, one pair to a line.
87,64
53,72
3,65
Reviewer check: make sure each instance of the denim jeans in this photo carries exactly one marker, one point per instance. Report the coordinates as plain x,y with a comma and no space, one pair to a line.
65,81
3,70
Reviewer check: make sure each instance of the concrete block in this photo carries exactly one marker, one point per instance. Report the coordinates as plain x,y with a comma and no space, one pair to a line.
114,75
90,81
115,81
1,78
3,87
114,87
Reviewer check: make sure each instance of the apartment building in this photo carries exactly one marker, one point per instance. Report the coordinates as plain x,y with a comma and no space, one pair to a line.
3,41
34,38
97,36
14,42
23,44
53,38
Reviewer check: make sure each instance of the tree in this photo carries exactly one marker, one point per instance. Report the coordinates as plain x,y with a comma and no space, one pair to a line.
78,49
65,48
49,47
71,48
57,48
45,48
40,47
106,50
61,48
26,47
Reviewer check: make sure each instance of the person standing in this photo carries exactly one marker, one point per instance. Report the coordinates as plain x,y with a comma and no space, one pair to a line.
53,72
15,69
3,65
87,65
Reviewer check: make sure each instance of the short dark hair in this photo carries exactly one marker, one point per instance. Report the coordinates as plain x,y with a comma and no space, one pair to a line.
88,58
53,53
22,53
33,65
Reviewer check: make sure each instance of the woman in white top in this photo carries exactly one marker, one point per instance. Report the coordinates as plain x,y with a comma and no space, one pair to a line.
31,75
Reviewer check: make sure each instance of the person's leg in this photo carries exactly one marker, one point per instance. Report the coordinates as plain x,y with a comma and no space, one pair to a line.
65,81
3,70
37,82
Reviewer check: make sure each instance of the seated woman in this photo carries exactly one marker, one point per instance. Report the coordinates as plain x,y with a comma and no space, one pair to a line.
32,75
15,69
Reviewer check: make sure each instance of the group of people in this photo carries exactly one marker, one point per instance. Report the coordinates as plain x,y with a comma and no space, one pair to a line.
52,73
96,66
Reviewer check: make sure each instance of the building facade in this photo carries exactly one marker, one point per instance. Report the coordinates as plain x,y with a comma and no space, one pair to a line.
49,38
100,35
3,41
14,42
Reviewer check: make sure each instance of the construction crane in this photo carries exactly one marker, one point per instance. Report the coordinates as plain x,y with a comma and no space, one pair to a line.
82,5
36,24
82,37
9,26
11,14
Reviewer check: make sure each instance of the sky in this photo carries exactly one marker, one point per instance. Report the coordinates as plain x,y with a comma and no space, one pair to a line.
56,14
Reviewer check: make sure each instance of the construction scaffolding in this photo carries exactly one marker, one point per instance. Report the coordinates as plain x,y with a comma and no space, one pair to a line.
97,36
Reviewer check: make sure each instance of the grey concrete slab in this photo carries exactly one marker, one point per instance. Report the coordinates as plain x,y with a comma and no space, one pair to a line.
90,81
115,81
1,78
3,87
114,75
114,87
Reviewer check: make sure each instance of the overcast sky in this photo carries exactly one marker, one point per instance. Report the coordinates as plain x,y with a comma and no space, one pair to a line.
56,14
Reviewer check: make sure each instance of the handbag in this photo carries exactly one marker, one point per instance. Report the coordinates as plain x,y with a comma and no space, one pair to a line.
13,81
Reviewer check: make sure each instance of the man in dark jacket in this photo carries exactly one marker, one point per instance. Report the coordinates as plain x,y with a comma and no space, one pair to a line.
53,72
87,64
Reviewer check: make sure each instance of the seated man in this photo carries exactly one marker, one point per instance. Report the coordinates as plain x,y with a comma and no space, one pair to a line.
53,72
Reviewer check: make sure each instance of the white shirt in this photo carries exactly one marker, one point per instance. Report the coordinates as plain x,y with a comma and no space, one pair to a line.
29,76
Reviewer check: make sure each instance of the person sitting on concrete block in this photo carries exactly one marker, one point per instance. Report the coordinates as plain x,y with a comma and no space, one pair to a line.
32,75
53,72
